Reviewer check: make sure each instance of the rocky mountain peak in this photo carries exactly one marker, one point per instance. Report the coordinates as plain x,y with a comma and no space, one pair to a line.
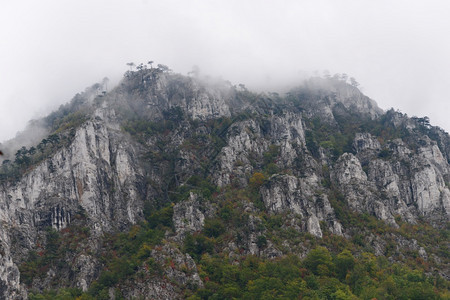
150,187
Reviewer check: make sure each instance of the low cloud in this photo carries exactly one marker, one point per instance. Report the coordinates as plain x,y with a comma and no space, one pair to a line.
397,51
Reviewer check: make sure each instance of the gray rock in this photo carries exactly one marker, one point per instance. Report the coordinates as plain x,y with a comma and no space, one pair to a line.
102,175
289,193
189,216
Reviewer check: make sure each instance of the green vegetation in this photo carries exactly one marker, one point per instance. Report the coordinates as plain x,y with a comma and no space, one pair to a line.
62,125
257,180
52,253
269,160
125,252
185,153
336,140
26,158
334,268
69,121
321,275
61,294
385,153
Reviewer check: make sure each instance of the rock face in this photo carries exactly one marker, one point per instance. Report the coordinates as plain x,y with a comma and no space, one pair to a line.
159,92
94,172
288,193
359,192
10,287
244,139
398,181
189,216
334,96
187,127
178,270
249,140
98,174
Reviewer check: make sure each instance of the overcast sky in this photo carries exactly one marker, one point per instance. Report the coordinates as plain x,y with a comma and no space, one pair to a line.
51,49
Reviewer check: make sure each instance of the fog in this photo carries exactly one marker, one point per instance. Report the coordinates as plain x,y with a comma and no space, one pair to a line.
397,50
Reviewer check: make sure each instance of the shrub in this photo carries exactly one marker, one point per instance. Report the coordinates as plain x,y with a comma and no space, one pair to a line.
385,153
319,261
257,180
213,228
344,263
196,245
162,217
261,241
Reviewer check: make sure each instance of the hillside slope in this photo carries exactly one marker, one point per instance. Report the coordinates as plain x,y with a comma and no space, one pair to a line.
171,187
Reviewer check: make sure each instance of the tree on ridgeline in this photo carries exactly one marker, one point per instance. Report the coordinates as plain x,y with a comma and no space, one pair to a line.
353,82
131,65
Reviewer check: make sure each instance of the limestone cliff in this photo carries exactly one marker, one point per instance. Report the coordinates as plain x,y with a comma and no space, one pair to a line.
212,148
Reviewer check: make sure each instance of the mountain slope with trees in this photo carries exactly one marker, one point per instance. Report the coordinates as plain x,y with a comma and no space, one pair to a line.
172,186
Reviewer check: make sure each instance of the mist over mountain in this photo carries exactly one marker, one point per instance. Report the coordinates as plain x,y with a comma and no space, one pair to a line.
54,49
169,186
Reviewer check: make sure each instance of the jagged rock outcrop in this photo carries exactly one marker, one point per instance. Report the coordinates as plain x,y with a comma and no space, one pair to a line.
302,197
365,142
189,216
247,141
10,286
95,172
244,140
158,92
98,173
360,193
177,270
321,98
399,180
164,139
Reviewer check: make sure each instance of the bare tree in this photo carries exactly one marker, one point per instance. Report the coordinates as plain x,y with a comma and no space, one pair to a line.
344,77
337,76
164,68
353,82
242,87
131,65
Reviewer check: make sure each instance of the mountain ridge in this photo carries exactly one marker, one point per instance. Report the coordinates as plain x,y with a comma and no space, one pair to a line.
186,155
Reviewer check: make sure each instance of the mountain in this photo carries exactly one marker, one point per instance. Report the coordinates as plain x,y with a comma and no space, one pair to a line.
171,186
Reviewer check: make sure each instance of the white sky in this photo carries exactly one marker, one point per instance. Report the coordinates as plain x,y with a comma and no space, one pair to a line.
51,49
